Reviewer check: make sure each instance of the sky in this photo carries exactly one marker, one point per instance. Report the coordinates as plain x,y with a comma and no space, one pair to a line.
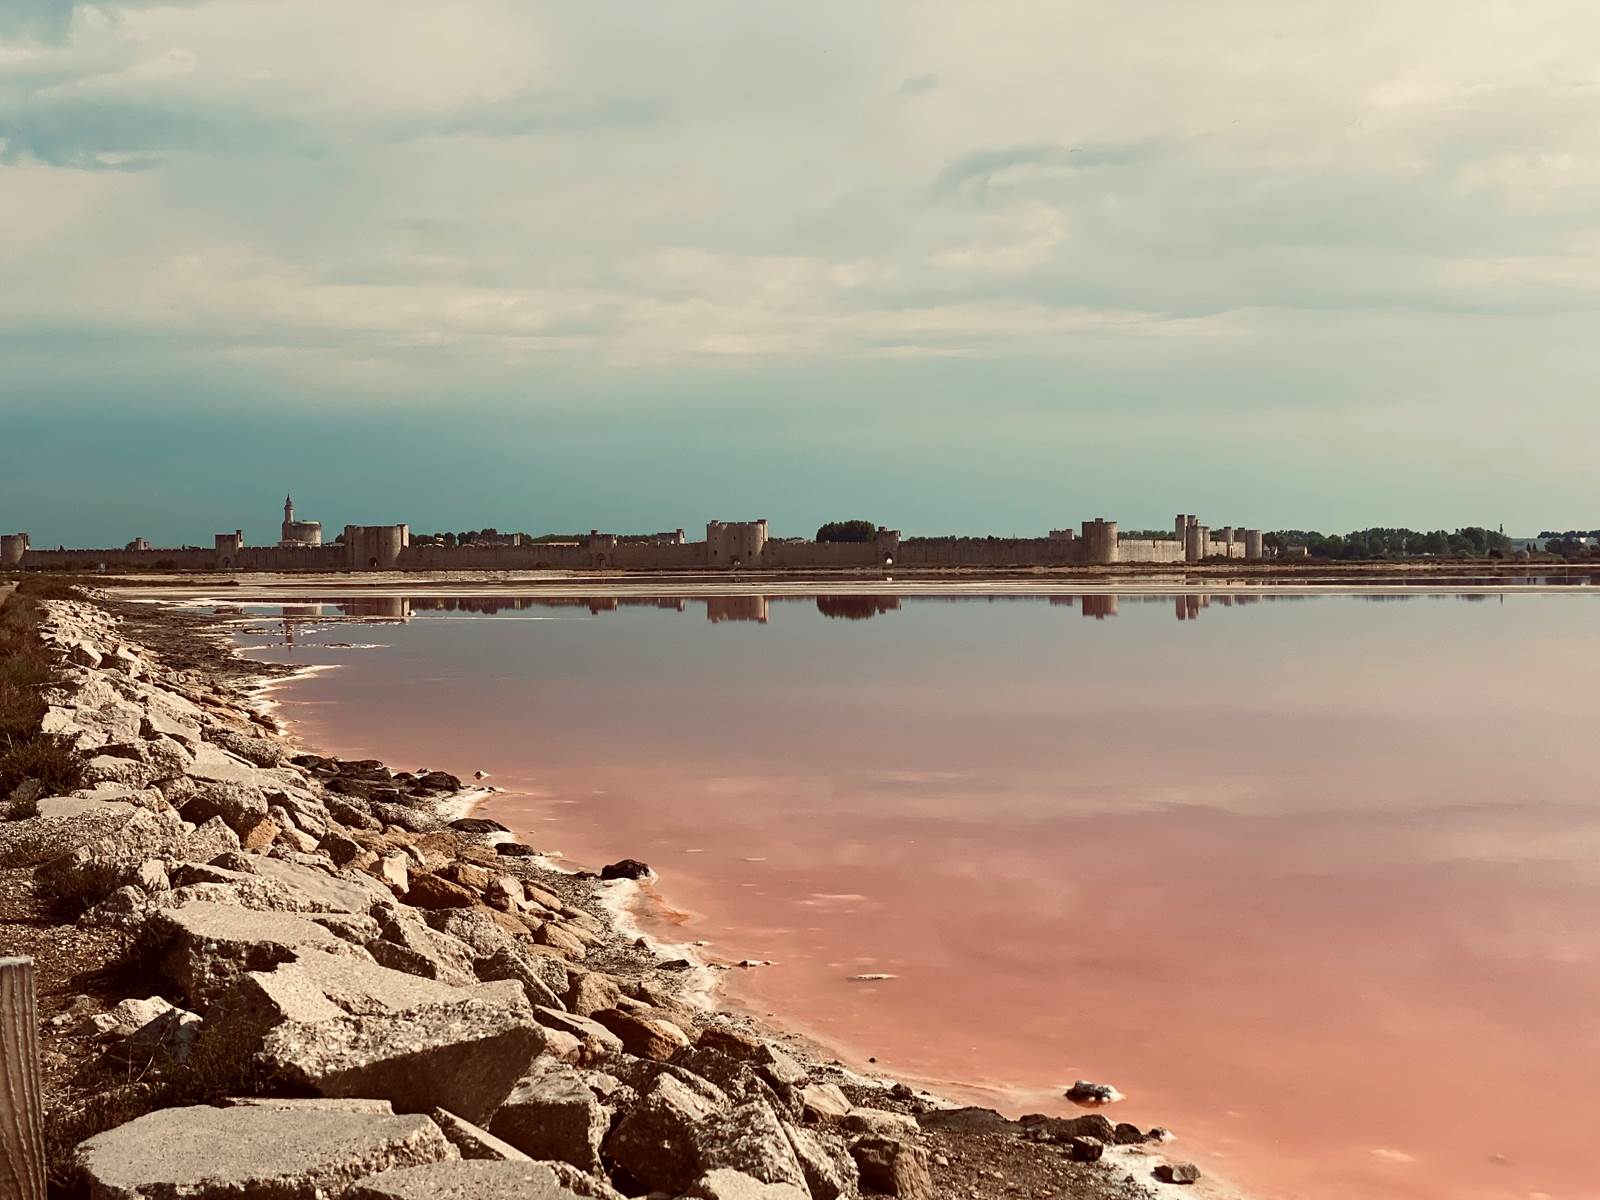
952,267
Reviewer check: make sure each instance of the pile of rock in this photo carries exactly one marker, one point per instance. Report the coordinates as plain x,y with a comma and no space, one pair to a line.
425,1013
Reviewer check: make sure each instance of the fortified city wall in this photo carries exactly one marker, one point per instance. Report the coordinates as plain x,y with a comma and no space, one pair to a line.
729,545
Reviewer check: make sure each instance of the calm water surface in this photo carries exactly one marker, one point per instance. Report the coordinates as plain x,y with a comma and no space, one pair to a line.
1313,880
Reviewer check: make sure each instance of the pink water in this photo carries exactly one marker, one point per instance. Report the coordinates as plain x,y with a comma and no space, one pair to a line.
1313,881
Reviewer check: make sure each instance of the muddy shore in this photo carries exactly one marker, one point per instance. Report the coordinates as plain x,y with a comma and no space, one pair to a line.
577,954
1464,575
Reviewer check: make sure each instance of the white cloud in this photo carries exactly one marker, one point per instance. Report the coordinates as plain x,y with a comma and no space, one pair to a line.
662,185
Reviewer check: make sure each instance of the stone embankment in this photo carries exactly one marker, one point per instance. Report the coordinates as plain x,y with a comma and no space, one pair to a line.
319,985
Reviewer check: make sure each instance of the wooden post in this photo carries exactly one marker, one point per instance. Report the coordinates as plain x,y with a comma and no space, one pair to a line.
21,1109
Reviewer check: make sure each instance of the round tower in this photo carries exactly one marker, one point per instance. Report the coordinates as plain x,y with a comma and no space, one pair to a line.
12,547
375,547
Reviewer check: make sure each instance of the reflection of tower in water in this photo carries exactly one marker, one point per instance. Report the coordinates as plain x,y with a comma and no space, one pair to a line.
293,614
1100,607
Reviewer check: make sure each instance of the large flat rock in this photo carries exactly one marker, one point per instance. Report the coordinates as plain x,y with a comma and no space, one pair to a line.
273,1153
211,945
62,824
322,891
482,1181
318,986
465,1057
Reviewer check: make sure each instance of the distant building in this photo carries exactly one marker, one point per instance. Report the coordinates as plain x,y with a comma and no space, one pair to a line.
728,545
298,533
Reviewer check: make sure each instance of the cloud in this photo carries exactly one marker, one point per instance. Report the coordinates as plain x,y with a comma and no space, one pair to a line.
1014,167
1054,210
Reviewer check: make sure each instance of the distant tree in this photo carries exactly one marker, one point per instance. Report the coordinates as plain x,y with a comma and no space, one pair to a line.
1473,541
847,531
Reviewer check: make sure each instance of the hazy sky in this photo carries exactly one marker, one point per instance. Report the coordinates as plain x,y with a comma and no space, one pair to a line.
955,267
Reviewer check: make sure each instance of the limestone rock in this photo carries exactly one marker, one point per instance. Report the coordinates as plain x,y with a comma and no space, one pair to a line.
208,841
432,891
749,1138
539,895
774,1065
62,824
552,1114
627,868
109,768
591,1034
591,992
830,1172
481,929
465,1057
407,944
644,1036
258,834
656,1142
262,752
94,868
556,936
474,1142
506,963
349,813
152,876
320,889
148,1029
723,1184
736,1079
212,764
823,1101
241,806
475,879
283,1153
210,945
341,850
319,987
893,1167
880,1121
482,1181
393,870
1185,1172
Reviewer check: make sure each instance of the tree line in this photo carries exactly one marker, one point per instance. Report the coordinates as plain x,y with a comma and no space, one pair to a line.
489,536
1473,541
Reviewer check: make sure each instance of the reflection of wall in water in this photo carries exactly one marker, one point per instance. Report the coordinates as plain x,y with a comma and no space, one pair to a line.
389,608
736,608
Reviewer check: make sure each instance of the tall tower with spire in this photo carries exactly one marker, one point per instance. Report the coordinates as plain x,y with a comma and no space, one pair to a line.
299,533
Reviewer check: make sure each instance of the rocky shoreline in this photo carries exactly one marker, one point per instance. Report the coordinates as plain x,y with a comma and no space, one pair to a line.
270,972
